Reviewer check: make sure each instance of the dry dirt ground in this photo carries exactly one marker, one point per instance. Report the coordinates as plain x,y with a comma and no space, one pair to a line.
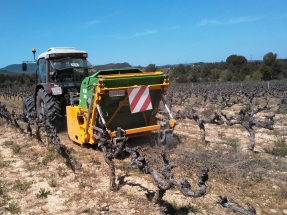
36,180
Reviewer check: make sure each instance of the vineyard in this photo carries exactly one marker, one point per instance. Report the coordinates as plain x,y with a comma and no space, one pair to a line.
229,157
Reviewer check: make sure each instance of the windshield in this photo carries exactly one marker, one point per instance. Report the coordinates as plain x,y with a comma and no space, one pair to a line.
66,63
69,69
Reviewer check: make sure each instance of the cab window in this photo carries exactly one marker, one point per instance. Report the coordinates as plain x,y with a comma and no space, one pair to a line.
42,70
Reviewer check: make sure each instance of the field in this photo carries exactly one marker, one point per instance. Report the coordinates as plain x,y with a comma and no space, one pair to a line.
35,179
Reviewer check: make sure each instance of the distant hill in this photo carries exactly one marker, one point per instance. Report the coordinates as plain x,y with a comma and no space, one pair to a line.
16,69
112,66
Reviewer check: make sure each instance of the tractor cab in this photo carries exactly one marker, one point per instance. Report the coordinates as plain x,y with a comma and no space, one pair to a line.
64,67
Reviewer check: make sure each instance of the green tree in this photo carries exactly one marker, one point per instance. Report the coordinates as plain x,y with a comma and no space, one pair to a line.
236,60
215,74
180,69
269,58
246,69
192,73
2,78
283,65
270,68
225,75
266,72
257,75
235,64
151,68
8,83
206,71
180,74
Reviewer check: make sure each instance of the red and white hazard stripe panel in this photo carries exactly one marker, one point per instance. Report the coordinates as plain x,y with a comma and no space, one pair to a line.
139,99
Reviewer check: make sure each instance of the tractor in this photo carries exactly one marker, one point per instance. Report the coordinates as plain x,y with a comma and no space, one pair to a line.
119,103
60,71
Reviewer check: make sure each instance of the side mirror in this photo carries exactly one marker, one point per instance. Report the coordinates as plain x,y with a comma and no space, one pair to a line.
24,66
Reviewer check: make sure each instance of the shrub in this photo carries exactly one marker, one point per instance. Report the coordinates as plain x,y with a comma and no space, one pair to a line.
43,193
279,149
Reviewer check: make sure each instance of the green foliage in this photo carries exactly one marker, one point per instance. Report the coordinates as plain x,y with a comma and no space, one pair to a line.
151,68
233,142
178,209
192,73
16,80
2,185
50,156
256,177
43,193
180,69
13,208
4,163
95,161
22,185
181,79
257,75
16,149
51,149
269,58
124,166
236,60
271,67
236,68
225,75
8,143
180,74
215,74
279,149
82,185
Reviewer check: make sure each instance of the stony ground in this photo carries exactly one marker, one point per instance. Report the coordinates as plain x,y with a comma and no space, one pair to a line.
36,180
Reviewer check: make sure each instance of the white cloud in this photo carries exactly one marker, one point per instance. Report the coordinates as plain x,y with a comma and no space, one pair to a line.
208,22
228,22
94,22
146,32
243,19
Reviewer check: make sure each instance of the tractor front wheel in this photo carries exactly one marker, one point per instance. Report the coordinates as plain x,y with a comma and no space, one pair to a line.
49,107
28,105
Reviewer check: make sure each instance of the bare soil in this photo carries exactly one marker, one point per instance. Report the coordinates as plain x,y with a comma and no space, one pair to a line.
36,180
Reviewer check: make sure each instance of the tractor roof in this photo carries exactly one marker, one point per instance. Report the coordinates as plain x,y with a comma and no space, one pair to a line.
55,50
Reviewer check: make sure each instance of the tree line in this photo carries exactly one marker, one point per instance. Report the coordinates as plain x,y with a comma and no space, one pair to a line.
236,68
16,80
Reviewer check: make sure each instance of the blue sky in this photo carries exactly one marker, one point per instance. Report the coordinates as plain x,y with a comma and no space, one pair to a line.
143,32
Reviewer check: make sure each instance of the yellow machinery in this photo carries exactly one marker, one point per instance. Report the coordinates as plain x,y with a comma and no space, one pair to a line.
123,102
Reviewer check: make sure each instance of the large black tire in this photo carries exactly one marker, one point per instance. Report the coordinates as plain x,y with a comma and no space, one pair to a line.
50,107
28,105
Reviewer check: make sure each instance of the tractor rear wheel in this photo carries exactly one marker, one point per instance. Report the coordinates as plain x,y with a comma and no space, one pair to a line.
50,107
